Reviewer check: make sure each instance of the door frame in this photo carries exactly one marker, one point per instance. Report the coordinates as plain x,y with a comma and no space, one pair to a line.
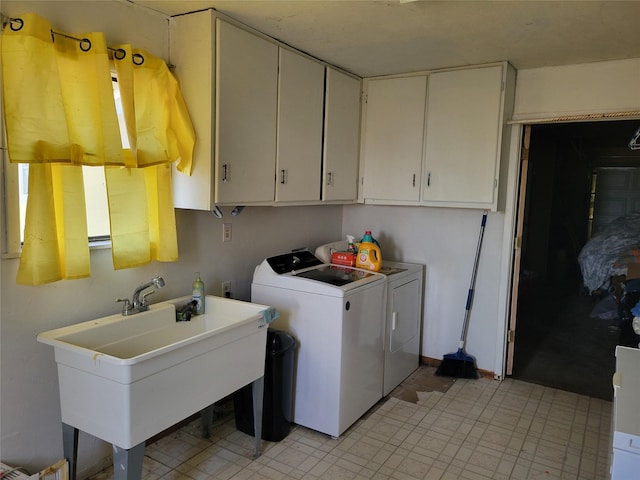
517,248
509,201
512,238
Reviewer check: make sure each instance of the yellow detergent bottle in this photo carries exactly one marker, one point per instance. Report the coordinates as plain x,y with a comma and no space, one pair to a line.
369,256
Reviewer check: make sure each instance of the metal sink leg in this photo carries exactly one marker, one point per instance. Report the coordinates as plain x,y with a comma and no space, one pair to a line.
127,464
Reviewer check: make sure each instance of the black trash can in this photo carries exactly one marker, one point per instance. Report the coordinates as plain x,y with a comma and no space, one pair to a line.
278,391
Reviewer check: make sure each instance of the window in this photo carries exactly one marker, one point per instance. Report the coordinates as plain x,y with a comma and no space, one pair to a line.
75,118
95,194
94,186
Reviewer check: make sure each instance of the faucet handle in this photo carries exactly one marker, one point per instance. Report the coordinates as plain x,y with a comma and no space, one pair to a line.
126,306
143,302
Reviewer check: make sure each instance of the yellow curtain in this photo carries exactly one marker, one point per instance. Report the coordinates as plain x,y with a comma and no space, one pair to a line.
55,236
162,230
124,75
87,95
143,226
129,216
60,114
34,126
163,126
58,99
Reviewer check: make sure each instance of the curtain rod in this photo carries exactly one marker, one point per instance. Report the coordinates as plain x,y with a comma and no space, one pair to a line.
85,43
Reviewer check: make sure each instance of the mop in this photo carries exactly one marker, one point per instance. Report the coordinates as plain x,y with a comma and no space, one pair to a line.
460,364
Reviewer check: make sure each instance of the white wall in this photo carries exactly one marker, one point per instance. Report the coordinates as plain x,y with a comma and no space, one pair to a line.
575,90
121,21
444,240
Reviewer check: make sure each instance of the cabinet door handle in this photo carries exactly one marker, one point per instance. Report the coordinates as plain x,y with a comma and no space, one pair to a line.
394,318
413,182
329,178
429,179
225,172
283,176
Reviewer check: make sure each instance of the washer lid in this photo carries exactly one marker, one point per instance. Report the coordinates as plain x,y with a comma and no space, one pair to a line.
335,275
290,262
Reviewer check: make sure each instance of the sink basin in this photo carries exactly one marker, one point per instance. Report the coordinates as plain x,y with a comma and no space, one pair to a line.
125,379
122,338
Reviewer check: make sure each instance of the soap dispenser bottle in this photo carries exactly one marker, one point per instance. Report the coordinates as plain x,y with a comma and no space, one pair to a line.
198,294
351,244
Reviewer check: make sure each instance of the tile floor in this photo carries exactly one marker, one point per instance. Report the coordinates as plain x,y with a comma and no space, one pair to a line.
428,428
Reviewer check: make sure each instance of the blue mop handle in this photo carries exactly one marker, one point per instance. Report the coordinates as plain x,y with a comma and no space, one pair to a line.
467,310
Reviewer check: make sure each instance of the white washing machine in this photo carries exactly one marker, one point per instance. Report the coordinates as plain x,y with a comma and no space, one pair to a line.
403,316
336,315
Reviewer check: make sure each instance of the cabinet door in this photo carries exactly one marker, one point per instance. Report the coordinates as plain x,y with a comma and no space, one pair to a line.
194,70
299,142
341,137
393,139
246,98
464,125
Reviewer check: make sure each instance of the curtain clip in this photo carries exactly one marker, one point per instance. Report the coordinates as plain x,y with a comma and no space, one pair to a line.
15,24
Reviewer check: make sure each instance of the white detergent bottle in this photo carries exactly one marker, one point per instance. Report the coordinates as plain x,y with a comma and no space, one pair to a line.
198,294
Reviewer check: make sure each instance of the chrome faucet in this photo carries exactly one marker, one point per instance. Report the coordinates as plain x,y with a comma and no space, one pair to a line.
138,304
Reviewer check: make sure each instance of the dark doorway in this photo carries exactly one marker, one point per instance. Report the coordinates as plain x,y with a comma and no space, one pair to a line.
566,333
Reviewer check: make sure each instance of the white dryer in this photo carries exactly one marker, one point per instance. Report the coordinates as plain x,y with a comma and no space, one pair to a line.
403,326
336,315
403,316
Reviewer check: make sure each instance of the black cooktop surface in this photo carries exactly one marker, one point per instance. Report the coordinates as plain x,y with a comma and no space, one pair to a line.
290,262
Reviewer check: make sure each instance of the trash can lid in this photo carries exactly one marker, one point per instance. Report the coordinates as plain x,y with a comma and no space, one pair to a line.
279,342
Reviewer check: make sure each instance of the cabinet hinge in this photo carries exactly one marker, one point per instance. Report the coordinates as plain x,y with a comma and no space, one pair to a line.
511,336
365,97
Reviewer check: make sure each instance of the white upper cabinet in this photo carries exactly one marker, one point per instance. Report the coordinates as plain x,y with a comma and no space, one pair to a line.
446,128
246,99
299,137
229,80
195,69
341,137
259,110
275,127
462,145
391,156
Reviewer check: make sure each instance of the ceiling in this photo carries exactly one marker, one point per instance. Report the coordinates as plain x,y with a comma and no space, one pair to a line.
372,38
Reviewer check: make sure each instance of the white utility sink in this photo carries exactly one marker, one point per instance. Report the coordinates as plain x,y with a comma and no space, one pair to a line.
125,379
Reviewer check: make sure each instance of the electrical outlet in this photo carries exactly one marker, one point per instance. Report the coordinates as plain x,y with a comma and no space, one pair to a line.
226,232
226,288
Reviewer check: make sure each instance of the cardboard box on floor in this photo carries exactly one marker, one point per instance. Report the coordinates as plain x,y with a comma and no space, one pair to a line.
57,471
